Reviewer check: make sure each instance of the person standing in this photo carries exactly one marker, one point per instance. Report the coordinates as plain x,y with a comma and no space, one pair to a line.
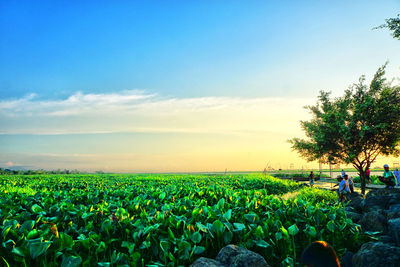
344,189
397,175
388,177
368,175
311,178
351,185
343,173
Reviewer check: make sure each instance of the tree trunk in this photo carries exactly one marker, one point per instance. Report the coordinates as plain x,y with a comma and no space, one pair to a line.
361,172
363,182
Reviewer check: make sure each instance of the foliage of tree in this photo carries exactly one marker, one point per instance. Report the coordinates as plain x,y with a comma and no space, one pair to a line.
355,128
393,24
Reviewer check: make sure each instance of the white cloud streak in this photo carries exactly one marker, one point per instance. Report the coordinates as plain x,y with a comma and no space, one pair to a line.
138,111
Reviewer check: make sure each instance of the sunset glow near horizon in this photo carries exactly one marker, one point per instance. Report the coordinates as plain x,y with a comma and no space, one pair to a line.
179,86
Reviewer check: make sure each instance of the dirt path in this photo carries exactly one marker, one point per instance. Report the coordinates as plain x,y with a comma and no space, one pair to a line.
329,185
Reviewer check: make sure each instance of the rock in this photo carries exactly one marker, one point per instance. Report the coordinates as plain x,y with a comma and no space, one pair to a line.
347,259
375,203
382,199
394,208
377,254
235,256
393,215
394,230
200,262
354,216
228,253
355,202
386,239
250,259
383,192
374,221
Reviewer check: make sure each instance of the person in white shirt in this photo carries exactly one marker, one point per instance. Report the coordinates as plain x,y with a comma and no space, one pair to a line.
344,188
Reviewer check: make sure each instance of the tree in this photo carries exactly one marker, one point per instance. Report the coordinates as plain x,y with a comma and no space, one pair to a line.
393,24
356,128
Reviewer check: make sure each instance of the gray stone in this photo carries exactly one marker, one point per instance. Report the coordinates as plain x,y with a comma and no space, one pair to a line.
374,254
249,259
386,239
383,192
393,215
206,262
347,259
375,203
394,230
235,256
387,198
354,216
355,201
394,208
373,221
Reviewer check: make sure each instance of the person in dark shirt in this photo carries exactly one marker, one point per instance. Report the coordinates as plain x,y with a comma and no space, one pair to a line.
311,177
320,254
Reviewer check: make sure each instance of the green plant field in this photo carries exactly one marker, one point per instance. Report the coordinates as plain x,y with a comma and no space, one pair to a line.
163,220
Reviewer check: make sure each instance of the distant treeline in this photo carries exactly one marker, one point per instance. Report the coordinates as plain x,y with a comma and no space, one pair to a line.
35,172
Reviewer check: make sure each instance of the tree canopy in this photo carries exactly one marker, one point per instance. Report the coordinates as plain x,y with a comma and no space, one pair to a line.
393,24
355,128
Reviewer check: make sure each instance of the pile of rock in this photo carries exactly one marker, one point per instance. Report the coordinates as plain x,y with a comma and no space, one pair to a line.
233,256
378,212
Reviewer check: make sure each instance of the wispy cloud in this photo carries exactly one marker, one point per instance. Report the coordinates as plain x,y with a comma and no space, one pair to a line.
138,111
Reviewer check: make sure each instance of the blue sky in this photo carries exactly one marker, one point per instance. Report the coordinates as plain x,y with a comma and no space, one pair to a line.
71,70
190,48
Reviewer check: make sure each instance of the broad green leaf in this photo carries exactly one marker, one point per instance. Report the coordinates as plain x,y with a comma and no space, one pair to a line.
331,226
293,230
259,233
162,196
20,251
66,240
227,215
33,234
220,204
165,245
38,248
262,243
27,225
196,237
199,250
171,234
239,226
217,227
251,217
228,235
310,230
36,208
5,231
285,232
71,261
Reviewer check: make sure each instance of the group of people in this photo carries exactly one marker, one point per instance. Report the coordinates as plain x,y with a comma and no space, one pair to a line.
346,184
389,178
